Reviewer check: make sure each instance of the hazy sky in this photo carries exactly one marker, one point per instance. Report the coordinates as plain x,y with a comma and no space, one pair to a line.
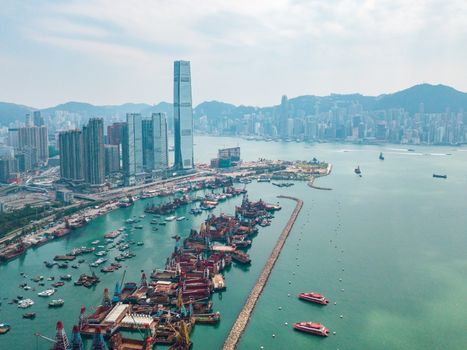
241,51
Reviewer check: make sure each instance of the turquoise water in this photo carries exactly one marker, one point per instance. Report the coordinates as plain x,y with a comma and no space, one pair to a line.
398,234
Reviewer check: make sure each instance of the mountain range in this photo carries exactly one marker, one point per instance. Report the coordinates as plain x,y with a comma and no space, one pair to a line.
435,99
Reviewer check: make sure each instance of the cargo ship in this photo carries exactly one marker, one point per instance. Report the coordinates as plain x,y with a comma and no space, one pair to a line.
314,298
241,257
311,328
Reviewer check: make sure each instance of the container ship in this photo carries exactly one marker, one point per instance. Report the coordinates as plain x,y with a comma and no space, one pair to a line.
311,328
314,298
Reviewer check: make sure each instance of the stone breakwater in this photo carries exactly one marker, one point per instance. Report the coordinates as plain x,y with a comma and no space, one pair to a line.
242,320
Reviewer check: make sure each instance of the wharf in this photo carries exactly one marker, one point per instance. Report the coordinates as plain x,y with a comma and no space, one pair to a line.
242,320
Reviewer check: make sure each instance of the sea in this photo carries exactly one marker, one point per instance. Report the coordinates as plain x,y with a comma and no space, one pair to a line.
388,249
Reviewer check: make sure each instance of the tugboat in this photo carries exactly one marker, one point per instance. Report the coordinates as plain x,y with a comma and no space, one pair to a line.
29,315
314,298
311,328
381,157
4,328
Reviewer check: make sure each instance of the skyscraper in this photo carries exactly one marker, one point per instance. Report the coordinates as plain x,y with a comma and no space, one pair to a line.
155,152
94,157
284,118
34,139
132,148
183,116
71,149
112,159
38,119
161,155
115,133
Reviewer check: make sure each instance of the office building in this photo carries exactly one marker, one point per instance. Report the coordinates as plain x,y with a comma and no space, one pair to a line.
132,148
71,149
94,157
183,116
154,137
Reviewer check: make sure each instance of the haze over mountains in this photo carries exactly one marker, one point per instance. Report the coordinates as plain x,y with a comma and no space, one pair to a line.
435,98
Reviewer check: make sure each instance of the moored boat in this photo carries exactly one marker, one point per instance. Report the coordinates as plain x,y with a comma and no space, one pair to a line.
314,298
46,293
4,328
29,315
311,328
207,318
56,303
25,303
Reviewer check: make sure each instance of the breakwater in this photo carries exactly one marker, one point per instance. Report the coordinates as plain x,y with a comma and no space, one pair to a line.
311,184
244,316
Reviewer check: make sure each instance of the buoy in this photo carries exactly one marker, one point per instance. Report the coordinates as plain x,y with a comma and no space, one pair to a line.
288,295
342,289
334,333
290,282
293,273
340,279
261,347
286,323
273,335
342,269
335,303
280,307
341,316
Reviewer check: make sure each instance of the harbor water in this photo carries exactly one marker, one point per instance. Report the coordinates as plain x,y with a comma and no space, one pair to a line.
388,249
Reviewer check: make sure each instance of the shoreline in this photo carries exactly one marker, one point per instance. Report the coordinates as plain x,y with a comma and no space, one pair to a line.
244,316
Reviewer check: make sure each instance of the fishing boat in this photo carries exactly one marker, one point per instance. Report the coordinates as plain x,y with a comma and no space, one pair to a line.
46,293
4,328
65,278
241,257
58,284
25,303
314,298
381,157
311,328
29,315
56,303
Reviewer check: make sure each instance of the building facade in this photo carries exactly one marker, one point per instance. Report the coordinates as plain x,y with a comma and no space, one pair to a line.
112,159
132,148
183,116
71,149
94,157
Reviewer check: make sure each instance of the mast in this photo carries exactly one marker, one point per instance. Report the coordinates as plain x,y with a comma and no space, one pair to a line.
61,340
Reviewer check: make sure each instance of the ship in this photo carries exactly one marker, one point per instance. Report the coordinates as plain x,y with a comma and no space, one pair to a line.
56,303
170,218
357,170
25,303
314,298
311,328
241,257
13,252
440,176
207,318
4,328
46,293
29,315
381,156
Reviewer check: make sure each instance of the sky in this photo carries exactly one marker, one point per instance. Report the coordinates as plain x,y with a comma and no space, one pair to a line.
241,51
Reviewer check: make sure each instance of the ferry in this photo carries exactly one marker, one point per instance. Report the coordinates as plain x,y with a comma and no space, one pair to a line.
311,328
24,304
4,328
314,298
170,218
46,293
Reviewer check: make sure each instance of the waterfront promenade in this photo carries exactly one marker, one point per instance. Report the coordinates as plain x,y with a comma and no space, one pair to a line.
244,316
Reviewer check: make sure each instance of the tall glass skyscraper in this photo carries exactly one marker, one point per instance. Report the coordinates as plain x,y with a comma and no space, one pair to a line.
161,155
183,116
94,156
132,148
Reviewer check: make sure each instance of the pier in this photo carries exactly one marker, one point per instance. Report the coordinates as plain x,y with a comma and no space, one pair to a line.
242,320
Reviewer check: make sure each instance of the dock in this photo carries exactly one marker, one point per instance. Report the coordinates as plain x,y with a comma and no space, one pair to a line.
244,316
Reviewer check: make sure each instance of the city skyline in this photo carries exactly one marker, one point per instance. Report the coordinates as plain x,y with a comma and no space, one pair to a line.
339,47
